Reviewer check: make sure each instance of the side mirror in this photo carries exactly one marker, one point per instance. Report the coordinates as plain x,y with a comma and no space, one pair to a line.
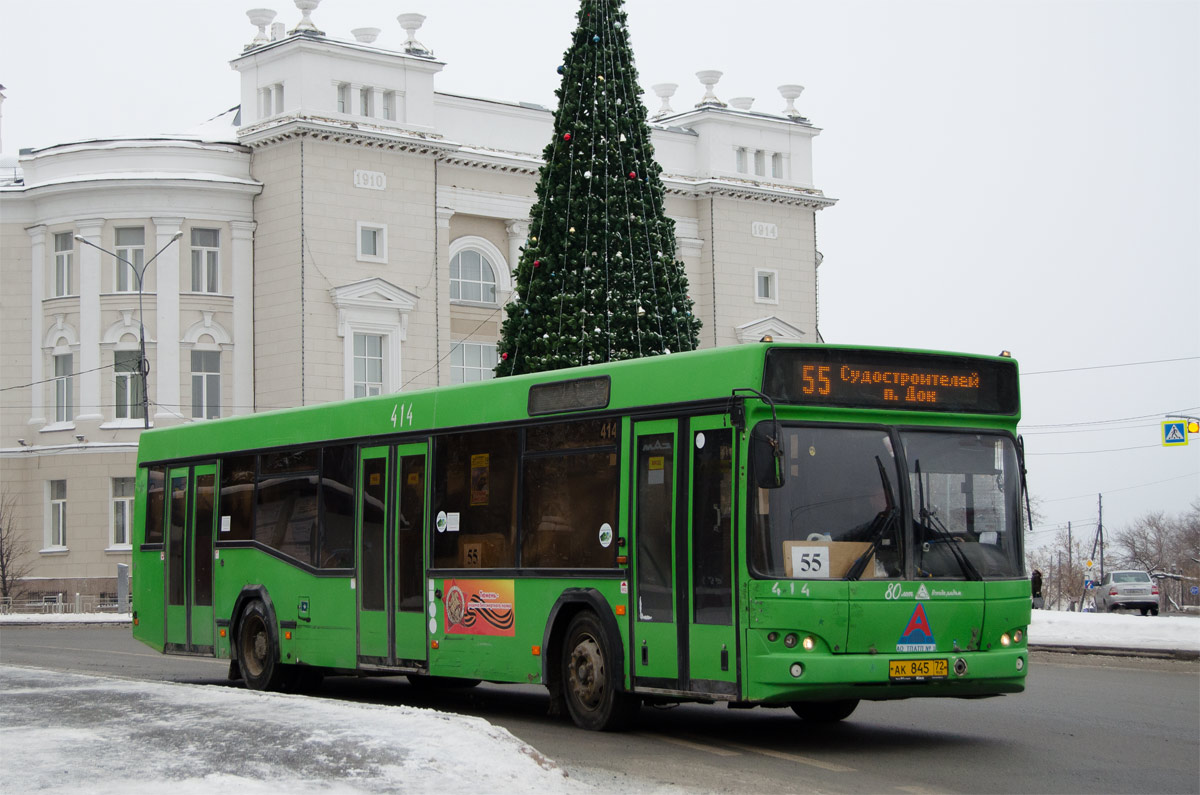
766,456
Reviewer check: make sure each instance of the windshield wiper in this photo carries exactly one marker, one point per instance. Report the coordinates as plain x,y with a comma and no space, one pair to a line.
882,522
931,523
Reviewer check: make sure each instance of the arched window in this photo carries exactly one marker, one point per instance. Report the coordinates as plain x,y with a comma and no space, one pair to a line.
472,277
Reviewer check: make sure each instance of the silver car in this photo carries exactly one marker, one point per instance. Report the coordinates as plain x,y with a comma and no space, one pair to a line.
1128,590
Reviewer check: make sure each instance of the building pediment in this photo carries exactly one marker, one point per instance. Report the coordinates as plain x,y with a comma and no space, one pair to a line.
373,300
781,330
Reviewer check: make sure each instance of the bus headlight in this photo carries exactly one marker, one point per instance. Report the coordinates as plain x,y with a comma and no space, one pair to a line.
797,670
1017,636
808,643
1020,664
1005,640
790,640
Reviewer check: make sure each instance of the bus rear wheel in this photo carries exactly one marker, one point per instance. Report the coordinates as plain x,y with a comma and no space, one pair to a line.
594,699
825,711
258,651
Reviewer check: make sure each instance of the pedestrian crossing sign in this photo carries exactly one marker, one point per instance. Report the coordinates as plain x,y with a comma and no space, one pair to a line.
1174,433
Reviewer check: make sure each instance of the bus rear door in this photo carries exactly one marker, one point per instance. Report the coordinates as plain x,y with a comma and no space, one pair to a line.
189,580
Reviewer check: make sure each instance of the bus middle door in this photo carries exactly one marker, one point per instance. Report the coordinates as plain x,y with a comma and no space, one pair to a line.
655,658
410,525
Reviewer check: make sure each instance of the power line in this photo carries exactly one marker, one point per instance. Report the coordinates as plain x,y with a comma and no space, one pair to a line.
1124,488
1109,366
1091,452
1157,415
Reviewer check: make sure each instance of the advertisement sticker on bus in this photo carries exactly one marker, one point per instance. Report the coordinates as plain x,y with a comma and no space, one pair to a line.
480,607
479,479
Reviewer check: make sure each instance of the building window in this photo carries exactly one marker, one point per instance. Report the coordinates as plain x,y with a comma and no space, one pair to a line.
389,105
64,408
777,165
365,101
343,97
765,291
127,396
206,384
131,247
472,278
760,163
740,157
472,361
372,242
122,515
206,260
64,245
368,365
58,514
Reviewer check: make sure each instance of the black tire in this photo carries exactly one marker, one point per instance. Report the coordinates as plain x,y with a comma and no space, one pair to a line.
1144,610
1154,611
258,649
595,698
825,711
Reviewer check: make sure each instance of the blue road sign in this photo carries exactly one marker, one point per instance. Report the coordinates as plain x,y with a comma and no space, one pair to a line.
1174,433
1195,589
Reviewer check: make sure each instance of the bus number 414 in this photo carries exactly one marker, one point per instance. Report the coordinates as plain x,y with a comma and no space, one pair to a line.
402,415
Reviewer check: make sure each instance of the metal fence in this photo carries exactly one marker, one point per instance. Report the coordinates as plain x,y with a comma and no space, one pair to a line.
59,603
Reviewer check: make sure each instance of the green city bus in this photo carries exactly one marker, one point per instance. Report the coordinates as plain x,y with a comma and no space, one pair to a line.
775,525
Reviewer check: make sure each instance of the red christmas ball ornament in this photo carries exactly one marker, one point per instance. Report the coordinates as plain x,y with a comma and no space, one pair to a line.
566,136
537,263
633,175
504,356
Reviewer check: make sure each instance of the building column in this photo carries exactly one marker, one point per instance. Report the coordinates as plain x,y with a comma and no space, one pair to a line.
37,292
518,233
243,316
166,326
90,279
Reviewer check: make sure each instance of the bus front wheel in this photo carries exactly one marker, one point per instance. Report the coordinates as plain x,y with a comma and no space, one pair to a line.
258,653
825,711
594,699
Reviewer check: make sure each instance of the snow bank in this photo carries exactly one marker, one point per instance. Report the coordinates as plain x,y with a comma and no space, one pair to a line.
73,733
1115,630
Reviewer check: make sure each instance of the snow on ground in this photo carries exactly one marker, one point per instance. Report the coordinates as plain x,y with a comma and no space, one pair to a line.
72,733
1115,630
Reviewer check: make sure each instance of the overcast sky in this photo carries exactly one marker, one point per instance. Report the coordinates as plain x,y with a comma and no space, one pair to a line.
1010,175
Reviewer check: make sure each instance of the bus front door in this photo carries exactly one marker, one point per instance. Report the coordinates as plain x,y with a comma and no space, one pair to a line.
410,523
712,641
189,552
655,659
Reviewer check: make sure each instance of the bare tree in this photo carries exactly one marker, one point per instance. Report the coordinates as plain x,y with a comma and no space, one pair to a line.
15,563
1167,547
1061,563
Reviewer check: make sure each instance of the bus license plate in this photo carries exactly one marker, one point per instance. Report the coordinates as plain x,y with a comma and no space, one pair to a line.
917,670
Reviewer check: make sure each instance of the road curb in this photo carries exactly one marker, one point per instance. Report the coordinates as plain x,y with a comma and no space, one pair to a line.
1118,651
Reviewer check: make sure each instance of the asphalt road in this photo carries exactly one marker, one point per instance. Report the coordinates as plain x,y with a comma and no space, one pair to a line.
1086,724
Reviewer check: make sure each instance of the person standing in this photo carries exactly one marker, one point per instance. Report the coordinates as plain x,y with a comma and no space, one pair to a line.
1035,584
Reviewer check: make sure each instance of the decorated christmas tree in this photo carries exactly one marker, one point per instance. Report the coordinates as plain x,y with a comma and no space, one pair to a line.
598,280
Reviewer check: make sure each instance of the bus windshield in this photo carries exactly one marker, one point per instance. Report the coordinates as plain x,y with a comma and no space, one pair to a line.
841,513
965,494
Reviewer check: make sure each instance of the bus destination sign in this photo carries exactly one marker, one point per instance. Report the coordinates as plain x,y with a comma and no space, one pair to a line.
891,380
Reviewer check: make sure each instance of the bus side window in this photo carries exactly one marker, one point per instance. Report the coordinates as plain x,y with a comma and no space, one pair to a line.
237,498
475,481
156,505
336,545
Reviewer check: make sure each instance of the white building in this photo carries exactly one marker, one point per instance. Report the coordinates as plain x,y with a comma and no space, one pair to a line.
351,231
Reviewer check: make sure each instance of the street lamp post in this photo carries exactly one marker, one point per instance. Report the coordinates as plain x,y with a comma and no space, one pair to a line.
143,362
